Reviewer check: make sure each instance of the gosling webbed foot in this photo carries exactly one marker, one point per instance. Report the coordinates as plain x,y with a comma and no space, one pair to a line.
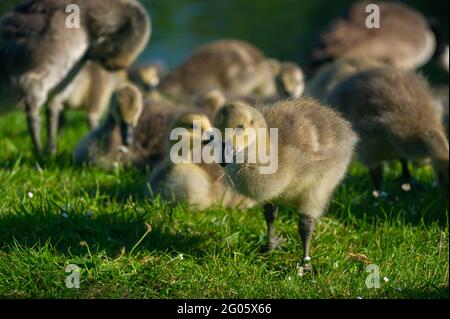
304,267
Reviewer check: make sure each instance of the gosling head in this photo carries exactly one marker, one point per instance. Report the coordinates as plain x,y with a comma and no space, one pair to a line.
150,77
291,80
194,126
127,106
195,123
238,118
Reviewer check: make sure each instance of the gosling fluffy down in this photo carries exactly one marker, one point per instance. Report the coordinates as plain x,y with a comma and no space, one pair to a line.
201,185
394,113
315,146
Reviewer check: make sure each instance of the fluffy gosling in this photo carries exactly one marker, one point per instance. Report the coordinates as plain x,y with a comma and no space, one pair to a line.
199,184
405,39
110,140
394,113
315,146
40,55
235,67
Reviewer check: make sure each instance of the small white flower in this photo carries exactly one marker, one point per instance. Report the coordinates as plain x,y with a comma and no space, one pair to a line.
30,195
386,279
181,256
64,215
289,278
359,297
406,187
336,264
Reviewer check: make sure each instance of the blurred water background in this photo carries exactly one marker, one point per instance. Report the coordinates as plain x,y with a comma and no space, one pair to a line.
285,29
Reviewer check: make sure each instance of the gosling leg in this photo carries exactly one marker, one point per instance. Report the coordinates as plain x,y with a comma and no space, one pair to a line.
270,215
34,126
53,115
406,176
306,228
376,173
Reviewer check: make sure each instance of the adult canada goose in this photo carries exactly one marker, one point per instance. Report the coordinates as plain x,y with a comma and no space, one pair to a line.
91,89
199,184
234,67
404,39
315,146
395,115
41,55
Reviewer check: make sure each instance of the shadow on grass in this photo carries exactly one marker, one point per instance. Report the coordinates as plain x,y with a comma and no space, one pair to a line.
110,233
424,205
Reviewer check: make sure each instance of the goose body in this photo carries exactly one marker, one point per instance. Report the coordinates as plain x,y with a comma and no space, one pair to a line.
235,67
395,115
315,146
40,55
404,39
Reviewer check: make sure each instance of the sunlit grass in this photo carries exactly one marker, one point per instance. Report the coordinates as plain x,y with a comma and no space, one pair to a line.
97,220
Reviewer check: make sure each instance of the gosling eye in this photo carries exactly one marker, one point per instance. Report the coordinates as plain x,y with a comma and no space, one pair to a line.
240,127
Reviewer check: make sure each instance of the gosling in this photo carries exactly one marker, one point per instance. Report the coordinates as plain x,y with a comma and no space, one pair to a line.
290,81
405,39
148,145
394,113
201,185
40,55
111,139
315,147
234,67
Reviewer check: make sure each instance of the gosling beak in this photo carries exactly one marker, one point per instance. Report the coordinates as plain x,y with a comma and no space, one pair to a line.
127,133
227,154
223,162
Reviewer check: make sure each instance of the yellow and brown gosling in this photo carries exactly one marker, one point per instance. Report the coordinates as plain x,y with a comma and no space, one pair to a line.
201,185
394,113
315,145
234,67
290,81
109,142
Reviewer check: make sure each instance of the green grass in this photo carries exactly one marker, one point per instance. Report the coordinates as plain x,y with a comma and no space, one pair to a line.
211,254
